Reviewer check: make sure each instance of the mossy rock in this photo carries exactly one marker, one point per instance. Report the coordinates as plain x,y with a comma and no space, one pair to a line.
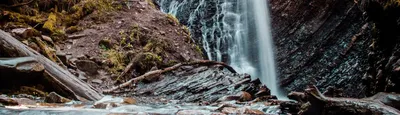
106,44
117,60
143,62
50,24
158,46
173,20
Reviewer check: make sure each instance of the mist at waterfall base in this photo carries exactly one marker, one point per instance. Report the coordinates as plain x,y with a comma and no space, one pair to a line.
238,33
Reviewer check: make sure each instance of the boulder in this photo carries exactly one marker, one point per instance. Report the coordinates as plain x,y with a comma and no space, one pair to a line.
55,98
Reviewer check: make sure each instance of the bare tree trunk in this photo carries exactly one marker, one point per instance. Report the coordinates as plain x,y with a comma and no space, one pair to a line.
65,81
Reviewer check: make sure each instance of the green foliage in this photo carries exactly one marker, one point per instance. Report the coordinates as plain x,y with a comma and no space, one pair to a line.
157,46
116,59
199,49
135,32
145,61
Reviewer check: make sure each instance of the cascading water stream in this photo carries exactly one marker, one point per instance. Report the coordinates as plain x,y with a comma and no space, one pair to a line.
234,31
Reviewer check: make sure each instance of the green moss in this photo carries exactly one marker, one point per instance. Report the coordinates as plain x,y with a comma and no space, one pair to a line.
135,32
145,61
152,57
116,59
172,62
157,46
49,25
173,18
17,17
89,6
199,49
187,33
151,3
73,29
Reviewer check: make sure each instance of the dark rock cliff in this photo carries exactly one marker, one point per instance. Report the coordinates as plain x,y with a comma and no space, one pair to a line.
383,57
321,42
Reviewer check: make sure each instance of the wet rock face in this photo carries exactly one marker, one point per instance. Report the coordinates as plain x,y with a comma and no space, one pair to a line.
207,84
383,57
320,42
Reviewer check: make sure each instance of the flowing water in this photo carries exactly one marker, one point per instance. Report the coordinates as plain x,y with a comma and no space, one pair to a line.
234,31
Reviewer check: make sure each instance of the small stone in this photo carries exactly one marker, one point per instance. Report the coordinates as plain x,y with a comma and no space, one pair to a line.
230,110
193,112
185,56
264,91
98,81
82,57
87,66
34,46
187,67
397,69
81,76
100,106
25,101
55,98
229,98
248,111
73,72
244,96
47,39
24,33
128,100
154,68
162,32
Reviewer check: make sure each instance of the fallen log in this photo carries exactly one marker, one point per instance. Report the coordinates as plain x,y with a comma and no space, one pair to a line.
157,73
63,79
322,105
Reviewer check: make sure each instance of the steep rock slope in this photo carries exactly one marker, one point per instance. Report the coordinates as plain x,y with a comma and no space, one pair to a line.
98,39
383,73
321,42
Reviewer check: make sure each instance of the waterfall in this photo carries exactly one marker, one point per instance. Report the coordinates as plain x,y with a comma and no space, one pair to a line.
234,31
265,46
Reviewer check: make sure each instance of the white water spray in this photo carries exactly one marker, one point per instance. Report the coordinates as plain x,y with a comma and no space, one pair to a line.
265,45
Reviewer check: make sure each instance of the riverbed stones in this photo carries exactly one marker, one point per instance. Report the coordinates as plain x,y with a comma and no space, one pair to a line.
25,101
56,98
244,96
194,112
7,101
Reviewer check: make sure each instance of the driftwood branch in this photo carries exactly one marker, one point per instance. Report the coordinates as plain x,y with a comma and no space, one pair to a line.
320,104
66,81
156,73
